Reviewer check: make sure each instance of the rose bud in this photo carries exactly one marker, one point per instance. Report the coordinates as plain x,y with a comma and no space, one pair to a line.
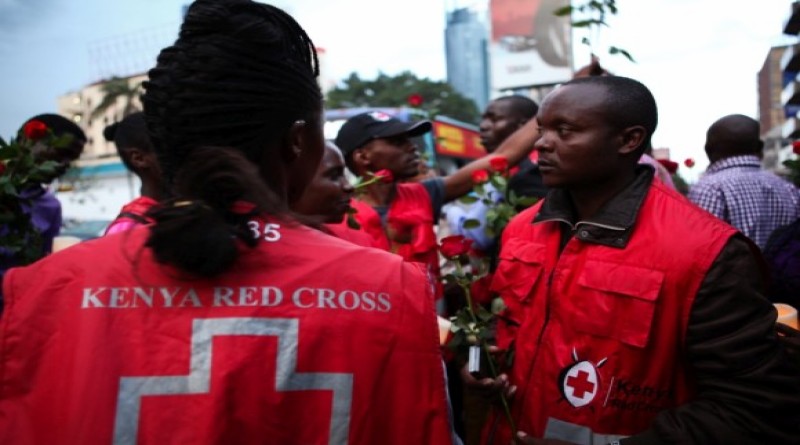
456,245
498,164
480,177
385,176
35,130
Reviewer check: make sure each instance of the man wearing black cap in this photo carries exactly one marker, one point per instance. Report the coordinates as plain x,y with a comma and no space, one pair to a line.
400,216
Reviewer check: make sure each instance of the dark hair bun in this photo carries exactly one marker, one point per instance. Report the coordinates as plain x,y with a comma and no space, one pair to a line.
110,132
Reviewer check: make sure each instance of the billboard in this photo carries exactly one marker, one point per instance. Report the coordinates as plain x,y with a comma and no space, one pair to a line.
530,46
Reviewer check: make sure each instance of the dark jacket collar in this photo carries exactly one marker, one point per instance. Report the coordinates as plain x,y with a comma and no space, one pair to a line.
613,223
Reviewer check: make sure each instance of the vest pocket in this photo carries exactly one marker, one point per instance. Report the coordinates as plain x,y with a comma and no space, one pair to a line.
617,301
519,269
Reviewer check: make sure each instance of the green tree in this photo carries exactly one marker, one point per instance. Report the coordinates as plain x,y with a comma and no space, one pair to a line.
591,15
438,97
114,89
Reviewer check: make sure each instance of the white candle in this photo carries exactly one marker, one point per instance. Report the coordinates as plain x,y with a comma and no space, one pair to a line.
787,314
444,330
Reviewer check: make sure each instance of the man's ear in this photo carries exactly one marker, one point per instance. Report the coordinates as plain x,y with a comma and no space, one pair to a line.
361,159
137,158
632,139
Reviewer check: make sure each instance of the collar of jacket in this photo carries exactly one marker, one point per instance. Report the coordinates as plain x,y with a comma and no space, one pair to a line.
613,224
751,161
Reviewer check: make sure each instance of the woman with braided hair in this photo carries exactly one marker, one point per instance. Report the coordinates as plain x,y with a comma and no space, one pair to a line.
227,320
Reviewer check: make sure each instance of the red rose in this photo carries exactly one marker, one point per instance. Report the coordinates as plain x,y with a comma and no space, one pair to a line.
480,290
415,100
671,166
453,246
2,168
385,175
480,177
796,147
35,130
689,162
498,164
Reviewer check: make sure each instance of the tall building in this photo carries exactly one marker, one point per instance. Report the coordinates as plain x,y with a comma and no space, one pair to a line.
790,96
466,38
771,112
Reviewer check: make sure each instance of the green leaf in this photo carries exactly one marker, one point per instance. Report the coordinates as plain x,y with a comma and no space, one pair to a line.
562,11
597,6
468,199
587,23
6,217
471,224
498,305
627,55
526,201
483,314
456,341
499,182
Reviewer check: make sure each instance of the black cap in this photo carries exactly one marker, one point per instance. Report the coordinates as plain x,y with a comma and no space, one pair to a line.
364,127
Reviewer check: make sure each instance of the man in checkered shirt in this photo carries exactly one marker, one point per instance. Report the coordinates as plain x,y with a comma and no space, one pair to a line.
736,189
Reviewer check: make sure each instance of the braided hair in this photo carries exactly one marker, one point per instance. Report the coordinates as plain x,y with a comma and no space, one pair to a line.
218,102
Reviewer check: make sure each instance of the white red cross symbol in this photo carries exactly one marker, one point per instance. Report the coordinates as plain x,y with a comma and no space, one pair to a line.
580,384
133,389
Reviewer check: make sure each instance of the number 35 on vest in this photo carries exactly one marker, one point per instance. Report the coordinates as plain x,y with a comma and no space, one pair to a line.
269,232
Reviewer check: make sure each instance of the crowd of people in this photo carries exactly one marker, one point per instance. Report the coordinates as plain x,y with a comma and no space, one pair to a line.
253,294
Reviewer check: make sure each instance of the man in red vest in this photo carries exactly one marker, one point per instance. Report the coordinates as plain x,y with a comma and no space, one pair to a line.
400,216
634,316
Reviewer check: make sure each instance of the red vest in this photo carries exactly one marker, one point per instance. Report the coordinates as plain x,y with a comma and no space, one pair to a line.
131,215
306,340
409,229
600,349
358,237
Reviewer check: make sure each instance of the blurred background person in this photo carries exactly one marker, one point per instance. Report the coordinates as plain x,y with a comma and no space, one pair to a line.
40,203
137,154
326,199
501,118
736,189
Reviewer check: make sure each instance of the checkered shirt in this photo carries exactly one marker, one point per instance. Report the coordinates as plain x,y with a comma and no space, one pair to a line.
753,200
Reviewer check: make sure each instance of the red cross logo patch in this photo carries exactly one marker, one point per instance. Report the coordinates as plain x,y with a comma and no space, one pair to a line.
580,381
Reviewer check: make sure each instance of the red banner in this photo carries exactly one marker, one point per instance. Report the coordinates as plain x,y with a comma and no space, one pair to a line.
457,141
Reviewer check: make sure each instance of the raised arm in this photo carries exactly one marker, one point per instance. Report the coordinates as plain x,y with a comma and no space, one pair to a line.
515,148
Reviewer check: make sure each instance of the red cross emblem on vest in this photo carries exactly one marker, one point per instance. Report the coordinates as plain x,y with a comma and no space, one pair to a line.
580,381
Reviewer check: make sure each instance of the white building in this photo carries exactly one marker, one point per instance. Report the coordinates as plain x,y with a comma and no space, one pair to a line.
101,185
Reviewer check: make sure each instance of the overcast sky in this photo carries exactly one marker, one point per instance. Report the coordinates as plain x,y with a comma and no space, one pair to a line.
699,57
